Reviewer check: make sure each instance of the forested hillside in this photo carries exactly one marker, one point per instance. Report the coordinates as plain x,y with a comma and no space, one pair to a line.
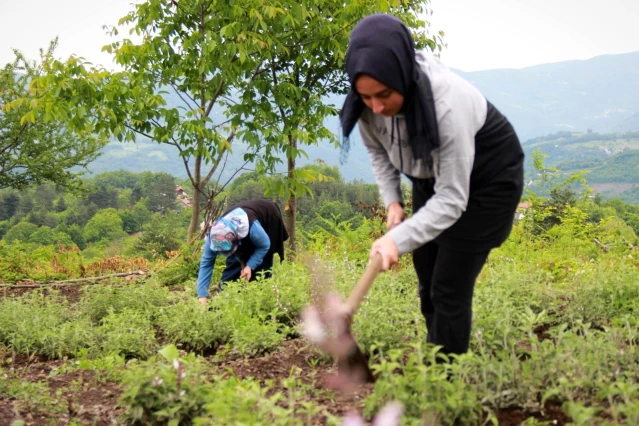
611,161
566,97
143,215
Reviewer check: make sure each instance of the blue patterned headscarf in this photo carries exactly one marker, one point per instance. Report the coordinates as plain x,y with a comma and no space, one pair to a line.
227,231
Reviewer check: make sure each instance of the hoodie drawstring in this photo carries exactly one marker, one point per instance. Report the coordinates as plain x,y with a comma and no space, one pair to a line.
399,142
392,131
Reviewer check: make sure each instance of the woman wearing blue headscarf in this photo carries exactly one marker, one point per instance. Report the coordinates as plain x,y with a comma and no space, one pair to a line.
248,235
463,157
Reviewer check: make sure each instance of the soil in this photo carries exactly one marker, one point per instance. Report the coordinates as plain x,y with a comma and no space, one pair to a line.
298,354
71,292
542,332
515,416
78,395
83,398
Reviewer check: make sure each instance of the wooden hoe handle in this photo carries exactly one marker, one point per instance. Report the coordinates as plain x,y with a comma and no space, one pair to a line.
364,284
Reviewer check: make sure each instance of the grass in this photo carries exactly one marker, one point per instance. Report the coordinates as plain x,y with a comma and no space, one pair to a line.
554,334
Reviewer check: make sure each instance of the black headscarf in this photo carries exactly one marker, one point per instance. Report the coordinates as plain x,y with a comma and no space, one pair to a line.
381,47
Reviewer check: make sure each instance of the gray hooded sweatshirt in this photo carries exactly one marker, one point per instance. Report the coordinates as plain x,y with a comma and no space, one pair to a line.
461,112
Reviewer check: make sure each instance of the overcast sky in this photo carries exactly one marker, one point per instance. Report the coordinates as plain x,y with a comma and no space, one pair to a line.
481,34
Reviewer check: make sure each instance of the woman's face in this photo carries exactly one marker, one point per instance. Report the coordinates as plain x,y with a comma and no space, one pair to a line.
380,98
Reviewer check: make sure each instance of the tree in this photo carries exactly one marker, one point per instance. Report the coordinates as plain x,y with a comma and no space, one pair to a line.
8,205
43,196
104,197
159,236
121,179
42,217
4,227
161,194
197,57
60,205
20,232
287,106
34,150
46,236
81,213
192,55
105,225
74,232
130,221
25,205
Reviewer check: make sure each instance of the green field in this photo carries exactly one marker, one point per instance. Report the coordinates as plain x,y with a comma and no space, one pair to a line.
554,340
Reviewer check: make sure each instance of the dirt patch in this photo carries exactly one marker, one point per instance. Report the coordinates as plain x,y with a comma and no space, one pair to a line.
298,354
515,416
77,395
88,400
80,396
541,332
71,292
7,414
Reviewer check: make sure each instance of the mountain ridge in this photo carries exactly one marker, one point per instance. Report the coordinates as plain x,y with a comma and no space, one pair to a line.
596,95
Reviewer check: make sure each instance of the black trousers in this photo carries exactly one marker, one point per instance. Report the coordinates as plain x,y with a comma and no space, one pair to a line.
446,284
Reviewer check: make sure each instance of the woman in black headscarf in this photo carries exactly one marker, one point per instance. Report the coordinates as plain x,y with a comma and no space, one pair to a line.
463,157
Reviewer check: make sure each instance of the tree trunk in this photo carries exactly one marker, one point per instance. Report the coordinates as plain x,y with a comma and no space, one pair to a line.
195,215
292,203
195,205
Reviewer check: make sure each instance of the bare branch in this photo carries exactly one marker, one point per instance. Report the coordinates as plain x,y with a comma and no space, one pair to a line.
214,99
282,113
177,92
139,132
233,175
208,177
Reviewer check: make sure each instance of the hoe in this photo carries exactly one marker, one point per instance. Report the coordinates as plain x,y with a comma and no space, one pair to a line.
332,331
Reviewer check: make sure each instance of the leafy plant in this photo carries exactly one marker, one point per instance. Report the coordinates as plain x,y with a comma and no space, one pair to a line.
38,324
189,324
170,392
252,337
98,301
128,333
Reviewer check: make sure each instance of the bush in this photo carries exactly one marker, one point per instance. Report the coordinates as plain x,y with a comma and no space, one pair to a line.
197,328
252,337
183,269
100,300
128,333
172,392
176,391
44,325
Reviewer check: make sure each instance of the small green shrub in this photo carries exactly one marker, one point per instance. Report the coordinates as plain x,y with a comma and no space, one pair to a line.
252,337
175,390
128,333
34,397
183,269
192,325
431,394
43,324
170,392
97,301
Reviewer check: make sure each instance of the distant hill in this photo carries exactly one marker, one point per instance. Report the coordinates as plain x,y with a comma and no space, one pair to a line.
611,160
599,94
